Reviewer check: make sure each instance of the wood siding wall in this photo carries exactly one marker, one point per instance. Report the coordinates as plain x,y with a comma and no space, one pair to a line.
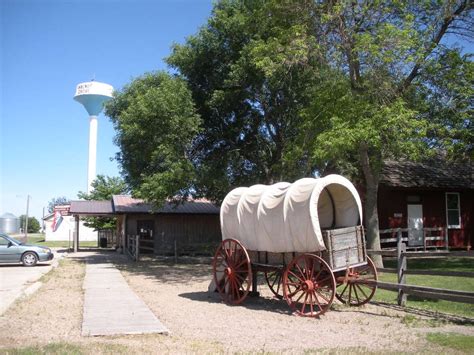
193,233
392,201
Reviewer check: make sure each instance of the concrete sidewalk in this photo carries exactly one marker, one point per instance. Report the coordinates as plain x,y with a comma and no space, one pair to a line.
110,305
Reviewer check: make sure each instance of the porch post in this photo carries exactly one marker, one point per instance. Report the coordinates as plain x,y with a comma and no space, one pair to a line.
76,235
124,232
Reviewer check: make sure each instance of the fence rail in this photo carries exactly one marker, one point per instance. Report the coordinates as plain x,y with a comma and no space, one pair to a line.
421,291
429,235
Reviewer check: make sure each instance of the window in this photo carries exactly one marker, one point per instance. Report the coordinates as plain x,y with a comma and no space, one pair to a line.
3,241
453,210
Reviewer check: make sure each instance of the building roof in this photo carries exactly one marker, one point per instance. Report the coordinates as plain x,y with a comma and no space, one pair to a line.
128,204
92,207
434,173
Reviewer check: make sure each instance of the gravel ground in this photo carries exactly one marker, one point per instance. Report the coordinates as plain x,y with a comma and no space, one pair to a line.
201,323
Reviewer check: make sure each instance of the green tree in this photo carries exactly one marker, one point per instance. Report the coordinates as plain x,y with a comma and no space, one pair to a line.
103,188
250,69
291,89
55,201
380,55
155,121
33,224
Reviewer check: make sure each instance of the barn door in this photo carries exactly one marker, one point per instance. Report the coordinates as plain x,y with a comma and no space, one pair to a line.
415,225
145,229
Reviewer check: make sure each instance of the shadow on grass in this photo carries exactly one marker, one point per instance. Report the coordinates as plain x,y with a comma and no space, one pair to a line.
438,263
451,318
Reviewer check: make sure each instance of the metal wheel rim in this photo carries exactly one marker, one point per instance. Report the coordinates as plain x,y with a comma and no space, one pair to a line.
29,259
231,256
309,279
357,292
274,282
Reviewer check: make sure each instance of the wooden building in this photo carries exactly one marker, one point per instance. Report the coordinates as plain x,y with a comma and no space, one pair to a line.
433,194
191,227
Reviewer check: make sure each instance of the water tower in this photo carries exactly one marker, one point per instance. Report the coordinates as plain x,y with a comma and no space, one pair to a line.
93,95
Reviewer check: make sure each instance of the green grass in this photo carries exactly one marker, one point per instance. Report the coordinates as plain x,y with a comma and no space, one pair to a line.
446,282
464,343
39,239
67,348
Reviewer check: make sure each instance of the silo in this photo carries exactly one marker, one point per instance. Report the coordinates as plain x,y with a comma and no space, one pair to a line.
9,223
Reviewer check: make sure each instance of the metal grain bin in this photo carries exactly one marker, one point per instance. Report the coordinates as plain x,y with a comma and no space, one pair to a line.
9,223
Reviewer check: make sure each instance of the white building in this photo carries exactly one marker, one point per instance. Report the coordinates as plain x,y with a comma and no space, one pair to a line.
65,229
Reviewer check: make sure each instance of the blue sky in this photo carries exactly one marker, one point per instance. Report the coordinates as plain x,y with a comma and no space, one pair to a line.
47,48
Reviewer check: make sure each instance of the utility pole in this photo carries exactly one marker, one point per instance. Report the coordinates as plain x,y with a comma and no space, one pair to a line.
42,224
26,219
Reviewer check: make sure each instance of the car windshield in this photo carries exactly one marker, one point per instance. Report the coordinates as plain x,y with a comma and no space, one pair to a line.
12,239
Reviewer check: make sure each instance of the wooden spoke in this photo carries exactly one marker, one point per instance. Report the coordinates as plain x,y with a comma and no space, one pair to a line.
232,271
361,285
308,295
273,279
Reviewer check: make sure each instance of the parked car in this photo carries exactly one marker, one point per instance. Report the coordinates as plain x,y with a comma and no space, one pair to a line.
14,251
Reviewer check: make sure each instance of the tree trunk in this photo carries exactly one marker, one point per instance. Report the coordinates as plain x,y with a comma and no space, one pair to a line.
370,206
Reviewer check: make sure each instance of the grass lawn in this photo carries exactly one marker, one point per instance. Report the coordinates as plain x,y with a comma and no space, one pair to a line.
68,348
39,239
446,282
460,342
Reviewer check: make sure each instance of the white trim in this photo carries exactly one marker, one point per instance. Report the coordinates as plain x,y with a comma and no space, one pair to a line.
453,226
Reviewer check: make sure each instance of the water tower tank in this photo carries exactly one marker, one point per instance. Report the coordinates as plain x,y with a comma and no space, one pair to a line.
9,223
92,95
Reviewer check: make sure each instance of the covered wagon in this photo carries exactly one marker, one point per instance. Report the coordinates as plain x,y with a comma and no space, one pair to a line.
307,239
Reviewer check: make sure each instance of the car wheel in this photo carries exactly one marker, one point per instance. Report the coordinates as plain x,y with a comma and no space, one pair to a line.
29,259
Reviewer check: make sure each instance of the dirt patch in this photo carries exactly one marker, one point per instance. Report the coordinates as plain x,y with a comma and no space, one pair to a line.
178,296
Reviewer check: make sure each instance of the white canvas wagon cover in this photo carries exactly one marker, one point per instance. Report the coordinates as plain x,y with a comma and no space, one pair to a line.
288,217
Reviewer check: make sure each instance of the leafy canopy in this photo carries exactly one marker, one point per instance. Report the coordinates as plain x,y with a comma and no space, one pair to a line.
156,122
33,224
250,69
56,201
103,188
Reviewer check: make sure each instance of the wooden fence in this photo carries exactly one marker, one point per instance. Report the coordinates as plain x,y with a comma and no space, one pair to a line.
431,237
403,289
133,247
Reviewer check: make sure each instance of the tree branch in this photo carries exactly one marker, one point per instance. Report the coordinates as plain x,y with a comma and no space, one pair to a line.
448,20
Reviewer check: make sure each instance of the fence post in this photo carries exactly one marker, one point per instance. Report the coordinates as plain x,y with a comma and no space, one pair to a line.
401,267
446,239
175,251
137,248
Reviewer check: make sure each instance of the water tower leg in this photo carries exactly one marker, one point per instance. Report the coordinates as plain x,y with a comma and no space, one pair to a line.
91,171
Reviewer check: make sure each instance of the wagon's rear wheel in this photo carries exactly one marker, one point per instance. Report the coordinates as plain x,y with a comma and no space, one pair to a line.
309,285
358,287
274,279
232,271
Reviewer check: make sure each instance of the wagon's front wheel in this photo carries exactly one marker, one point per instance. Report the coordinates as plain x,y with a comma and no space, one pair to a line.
357,286
232,271
309,285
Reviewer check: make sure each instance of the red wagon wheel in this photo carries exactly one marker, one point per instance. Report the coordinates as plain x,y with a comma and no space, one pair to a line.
356,286
273,279
309,285
232,271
